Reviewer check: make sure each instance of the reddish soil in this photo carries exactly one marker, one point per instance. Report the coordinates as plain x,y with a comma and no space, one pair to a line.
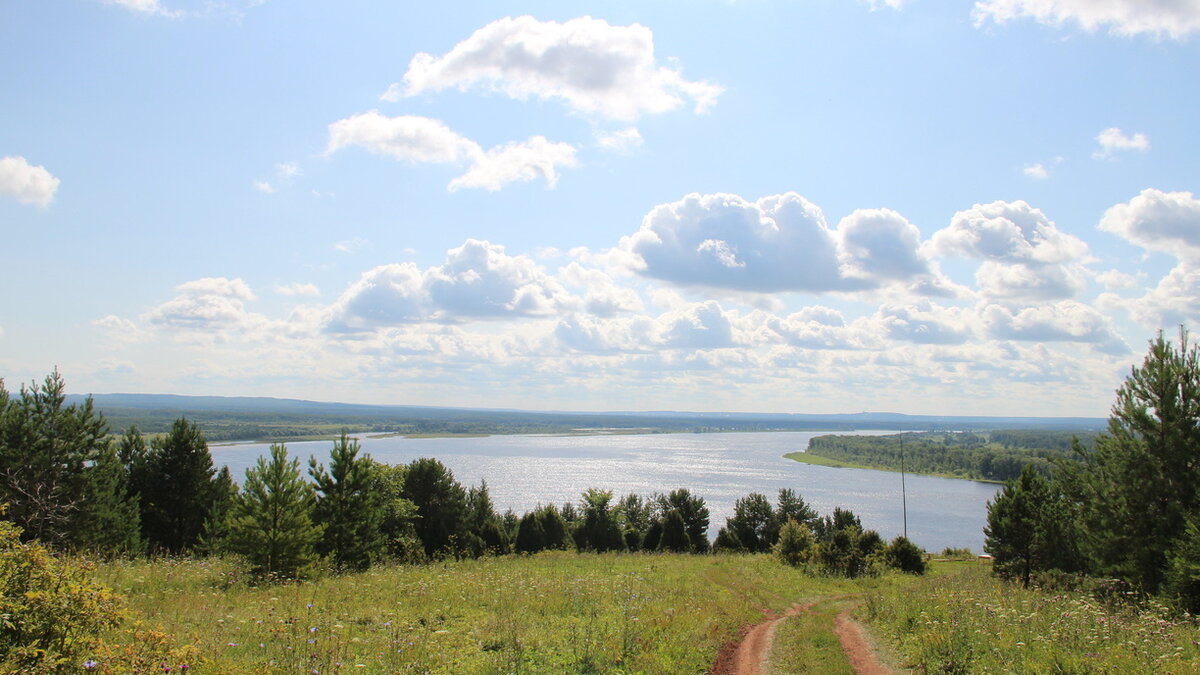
857,647
748,656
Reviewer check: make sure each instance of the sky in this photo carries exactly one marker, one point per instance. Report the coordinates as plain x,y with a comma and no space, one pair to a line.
815,206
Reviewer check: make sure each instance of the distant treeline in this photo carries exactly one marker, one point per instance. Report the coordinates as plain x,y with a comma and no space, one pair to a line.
993,456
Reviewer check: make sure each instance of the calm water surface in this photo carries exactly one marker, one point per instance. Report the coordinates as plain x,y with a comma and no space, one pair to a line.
523,471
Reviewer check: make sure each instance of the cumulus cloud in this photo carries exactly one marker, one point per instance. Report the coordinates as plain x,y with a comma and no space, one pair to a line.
926,323
1066,321
602,296
478,280
697,326
778,243
1113,140
1174,301
26,183
1114,280
424,140
589,65
208,304
513,162
818,327
1025,255
1158,221
1159,18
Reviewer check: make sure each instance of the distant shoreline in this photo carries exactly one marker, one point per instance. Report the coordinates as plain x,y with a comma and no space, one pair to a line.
818,460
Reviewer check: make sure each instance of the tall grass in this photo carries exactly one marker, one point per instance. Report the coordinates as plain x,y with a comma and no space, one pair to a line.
549,613
966,621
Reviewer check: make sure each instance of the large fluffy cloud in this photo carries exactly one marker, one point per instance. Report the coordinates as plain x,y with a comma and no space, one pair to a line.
1174,18
1066,321
1026,256
591,66
205,305
25,182
478,280
425,140
1158,221
778,243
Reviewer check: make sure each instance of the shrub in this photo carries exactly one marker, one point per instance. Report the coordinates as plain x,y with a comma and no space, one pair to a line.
904,555
795,543
52,610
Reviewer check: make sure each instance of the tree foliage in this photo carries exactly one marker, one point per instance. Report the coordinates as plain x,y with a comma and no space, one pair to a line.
441,505
349,508
272,520
177,488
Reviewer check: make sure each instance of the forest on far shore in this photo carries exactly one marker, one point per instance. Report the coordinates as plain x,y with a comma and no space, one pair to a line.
997,456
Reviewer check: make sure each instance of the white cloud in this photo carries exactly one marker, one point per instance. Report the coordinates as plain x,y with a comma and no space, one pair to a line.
591,66
1174,301
425,140
602,296
407,137
1158,221
1174,18
623,141
263,186
1115,280
206,305
1026,256
1037,171
927,323
478,280
524,161
1066,321
26,183
698,326
778,243
296,289
1113,140
285,173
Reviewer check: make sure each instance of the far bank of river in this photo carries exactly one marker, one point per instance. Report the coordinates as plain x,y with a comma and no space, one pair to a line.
524,471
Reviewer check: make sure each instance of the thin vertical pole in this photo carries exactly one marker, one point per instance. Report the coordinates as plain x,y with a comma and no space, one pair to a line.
903,489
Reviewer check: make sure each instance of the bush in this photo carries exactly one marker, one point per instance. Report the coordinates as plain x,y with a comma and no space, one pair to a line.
52,610
904,555
795,543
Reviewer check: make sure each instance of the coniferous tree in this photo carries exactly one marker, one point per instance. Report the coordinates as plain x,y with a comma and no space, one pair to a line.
1136,491
272,520
634,515
440,502
349,508
1024,533
399,534
598,530
674,534
58,473
531,538
751,522
905,556
177,489
555,531
216,526
789,506
694,513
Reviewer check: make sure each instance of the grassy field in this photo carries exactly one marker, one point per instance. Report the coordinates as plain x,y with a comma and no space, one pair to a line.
620,614
963,620
549,613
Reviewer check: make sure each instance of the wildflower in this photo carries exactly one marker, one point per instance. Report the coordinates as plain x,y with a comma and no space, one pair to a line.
90,664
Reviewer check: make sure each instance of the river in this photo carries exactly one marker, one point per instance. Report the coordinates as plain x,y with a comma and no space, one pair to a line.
523,471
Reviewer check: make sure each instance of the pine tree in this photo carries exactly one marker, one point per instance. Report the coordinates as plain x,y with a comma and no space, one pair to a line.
271,522
694,513
674,534
1137,489
1014,531
441,505
58,473
531,538
177,489
350,507
751,522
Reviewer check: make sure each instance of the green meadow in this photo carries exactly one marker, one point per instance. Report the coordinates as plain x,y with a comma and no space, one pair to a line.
559,612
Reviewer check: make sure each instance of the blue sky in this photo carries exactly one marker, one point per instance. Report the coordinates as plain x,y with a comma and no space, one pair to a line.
808,206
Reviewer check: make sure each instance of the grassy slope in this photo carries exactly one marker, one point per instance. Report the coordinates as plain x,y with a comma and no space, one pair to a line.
962,620
550,613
